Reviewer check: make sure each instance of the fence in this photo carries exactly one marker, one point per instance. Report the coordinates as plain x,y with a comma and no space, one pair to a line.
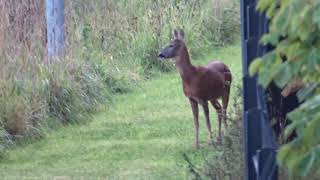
260,143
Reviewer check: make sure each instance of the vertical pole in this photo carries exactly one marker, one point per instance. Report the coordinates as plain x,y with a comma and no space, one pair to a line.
55,27
251,115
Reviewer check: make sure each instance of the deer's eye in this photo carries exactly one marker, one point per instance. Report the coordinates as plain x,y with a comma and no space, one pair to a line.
171,45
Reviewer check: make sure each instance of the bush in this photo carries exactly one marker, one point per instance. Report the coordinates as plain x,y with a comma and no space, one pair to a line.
130,34
74,90
294,64
21,108
222,23
66,92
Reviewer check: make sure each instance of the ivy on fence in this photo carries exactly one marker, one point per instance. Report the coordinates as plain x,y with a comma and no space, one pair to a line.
294,65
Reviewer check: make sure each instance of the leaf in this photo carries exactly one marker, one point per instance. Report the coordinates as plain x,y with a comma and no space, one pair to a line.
254,66
306,162
306,26
280,21
310,137
296,115
307,91
272,10
291,127
283,153
316,16
292,49
272,38
295,155
316,150
305,30
312,103
314,59
271,66
282,46
264,4
295,67
283,76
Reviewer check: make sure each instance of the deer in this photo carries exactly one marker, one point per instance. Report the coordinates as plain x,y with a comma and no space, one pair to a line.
201,84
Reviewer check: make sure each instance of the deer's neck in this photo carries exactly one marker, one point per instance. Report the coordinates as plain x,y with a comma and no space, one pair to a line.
184,66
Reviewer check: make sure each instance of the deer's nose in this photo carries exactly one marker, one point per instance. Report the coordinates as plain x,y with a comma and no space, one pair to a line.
161,55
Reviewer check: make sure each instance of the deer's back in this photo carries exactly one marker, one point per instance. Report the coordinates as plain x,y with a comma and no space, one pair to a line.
205,84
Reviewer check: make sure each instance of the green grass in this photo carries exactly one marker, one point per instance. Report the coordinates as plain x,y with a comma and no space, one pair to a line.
141,136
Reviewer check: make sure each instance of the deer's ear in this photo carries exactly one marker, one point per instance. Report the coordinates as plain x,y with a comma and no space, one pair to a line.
181,34
176,33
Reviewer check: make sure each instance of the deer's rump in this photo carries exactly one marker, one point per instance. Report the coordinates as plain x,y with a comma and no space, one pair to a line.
222,68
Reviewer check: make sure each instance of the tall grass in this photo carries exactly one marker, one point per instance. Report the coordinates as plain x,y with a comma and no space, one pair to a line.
130,33
111,46
32,90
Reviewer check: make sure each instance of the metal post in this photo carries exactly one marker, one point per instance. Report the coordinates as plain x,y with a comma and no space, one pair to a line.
55,27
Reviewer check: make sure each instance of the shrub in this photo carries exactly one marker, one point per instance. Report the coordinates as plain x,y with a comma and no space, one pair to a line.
222,23
66,92
74,90
294,32
130,34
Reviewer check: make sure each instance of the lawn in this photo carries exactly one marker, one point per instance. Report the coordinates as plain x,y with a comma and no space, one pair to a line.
141,136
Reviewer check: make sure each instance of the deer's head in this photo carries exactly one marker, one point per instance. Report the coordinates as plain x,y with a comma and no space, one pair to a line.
173,49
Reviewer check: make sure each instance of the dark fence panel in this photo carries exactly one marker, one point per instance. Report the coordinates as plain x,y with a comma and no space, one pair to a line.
260,144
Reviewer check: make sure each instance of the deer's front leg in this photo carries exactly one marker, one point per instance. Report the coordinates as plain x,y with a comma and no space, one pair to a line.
195,111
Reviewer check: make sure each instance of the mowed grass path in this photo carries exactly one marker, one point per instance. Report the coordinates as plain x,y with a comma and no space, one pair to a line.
142,136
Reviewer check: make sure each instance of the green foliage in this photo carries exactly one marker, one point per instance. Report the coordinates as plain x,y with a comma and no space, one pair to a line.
111,47
148,49
294,31
254,67
65,91
132,33
73,91
222,23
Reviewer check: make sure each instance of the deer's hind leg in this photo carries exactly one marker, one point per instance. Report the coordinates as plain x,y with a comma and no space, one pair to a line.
219,109
195,111
206,113
225,101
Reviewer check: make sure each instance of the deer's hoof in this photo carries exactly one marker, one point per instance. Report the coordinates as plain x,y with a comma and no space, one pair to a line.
218,141
211,143
196,145
210,140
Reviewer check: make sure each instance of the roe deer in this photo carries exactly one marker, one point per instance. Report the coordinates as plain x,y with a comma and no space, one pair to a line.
200,84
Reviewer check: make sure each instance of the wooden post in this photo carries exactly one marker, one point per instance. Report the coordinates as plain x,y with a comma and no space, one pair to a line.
55,28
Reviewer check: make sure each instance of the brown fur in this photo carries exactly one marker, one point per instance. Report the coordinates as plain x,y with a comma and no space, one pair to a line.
201,84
